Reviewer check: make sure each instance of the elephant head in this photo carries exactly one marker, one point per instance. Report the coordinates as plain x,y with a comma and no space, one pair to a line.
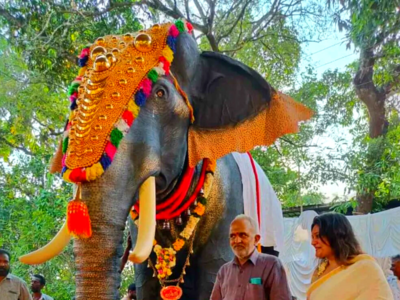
144,107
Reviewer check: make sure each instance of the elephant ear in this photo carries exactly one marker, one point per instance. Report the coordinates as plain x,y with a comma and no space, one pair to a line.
236,109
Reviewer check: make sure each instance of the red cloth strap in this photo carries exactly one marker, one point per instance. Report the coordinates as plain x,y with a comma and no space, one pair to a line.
257,188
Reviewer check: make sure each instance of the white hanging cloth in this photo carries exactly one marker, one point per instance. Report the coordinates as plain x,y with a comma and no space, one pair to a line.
270,211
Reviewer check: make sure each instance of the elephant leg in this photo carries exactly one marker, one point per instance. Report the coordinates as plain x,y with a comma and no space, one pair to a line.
147,286
217,251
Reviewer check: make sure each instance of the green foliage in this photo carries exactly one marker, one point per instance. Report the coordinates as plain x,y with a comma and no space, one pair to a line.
51,35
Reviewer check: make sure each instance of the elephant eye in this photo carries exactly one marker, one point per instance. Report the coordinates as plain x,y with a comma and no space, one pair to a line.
160,93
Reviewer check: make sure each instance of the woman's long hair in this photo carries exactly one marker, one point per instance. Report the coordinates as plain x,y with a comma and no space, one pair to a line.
335,229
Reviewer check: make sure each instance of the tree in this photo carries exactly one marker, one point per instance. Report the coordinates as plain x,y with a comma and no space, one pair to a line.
372,27
32,201
265,34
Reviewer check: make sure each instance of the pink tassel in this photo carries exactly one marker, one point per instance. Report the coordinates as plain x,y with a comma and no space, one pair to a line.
63,160
85,52
110,150
173,31
146,87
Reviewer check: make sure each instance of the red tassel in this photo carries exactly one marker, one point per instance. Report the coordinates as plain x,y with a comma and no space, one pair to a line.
78,219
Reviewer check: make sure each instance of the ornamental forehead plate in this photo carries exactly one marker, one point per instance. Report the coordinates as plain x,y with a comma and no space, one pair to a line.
116,66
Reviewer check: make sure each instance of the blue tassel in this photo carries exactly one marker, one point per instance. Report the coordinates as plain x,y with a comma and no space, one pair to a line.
82,61
105,161
140,98
73,105
63,170
171,41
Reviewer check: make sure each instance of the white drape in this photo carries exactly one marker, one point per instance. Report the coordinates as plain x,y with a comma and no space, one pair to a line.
378,234
271,227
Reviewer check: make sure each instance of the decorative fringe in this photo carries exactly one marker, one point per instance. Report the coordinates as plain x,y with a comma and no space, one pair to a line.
78,219
128,116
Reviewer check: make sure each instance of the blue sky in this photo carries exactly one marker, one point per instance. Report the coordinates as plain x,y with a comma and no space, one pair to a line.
330,54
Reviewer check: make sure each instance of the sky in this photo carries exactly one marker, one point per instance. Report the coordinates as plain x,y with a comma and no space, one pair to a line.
330,54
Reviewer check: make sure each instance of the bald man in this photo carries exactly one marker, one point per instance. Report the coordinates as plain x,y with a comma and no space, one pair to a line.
250,275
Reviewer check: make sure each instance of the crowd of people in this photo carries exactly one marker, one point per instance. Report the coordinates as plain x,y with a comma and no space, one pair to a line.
14,288
344,271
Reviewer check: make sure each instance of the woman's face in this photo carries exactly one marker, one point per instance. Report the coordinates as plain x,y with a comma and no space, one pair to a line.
322,247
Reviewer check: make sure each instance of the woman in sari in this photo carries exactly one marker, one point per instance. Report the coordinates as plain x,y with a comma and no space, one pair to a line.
344,273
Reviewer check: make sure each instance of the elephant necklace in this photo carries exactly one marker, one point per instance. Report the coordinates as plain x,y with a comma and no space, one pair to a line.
166,257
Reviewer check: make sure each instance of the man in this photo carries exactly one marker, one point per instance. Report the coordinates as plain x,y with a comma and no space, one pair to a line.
393,280
11,287
37,284
131,292
250,275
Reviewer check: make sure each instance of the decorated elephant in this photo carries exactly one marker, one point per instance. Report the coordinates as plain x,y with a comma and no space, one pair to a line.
153,122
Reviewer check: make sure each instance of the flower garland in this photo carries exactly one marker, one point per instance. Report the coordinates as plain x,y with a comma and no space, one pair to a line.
166,256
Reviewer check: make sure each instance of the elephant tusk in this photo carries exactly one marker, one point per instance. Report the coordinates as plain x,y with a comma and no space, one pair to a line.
147,222
52,249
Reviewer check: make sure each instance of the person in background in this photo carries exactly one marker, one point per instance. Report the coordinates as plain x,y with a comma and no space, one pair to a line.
250,275
11,287
344,273
37,284
131,292
394,280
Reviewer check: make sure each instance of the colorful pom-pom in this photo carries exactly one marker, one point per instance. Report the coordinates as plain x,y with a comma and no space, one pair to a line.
140,98
153,75
82,61
94,172
171,42
85,52
173,31
105,161
180,25
189,27
146,86
65,145
127,116
116,137
110,150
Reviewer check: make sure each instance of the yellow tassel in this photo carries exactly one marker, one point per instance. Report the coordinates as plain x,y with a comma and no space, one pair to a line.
133,108
168,54
82,71
94,172
78,219
259,248
66,175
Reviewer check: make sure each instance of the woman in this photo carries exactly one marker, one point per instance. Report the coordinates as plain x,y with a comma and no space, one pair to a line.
344,273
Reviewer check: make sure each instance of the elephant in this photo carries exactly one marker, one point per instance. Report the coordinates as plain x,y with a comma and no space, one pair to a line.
201,107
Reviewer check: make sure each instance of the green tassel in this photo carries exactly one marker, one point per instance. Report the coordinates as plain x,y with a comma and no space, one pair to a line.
65,145
179,24
73,88
153,75
202,200
116,137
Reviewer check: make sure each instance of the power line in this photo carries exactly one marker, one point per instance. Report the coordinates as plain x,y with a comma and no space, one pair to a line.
326,48
335,60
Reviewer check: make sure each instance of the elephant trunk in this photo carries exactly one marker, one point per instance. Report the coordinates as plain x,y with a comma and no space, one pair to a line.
98,258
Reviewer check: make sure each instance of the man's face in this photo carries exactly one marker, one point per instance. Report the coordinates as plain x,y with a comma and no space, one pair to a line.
396,268
4,265
36,286
243,239
132,294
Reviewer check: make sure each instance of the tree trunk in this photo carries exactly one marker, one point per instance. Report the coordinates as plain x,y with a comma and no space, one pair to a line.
98,258
374,99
